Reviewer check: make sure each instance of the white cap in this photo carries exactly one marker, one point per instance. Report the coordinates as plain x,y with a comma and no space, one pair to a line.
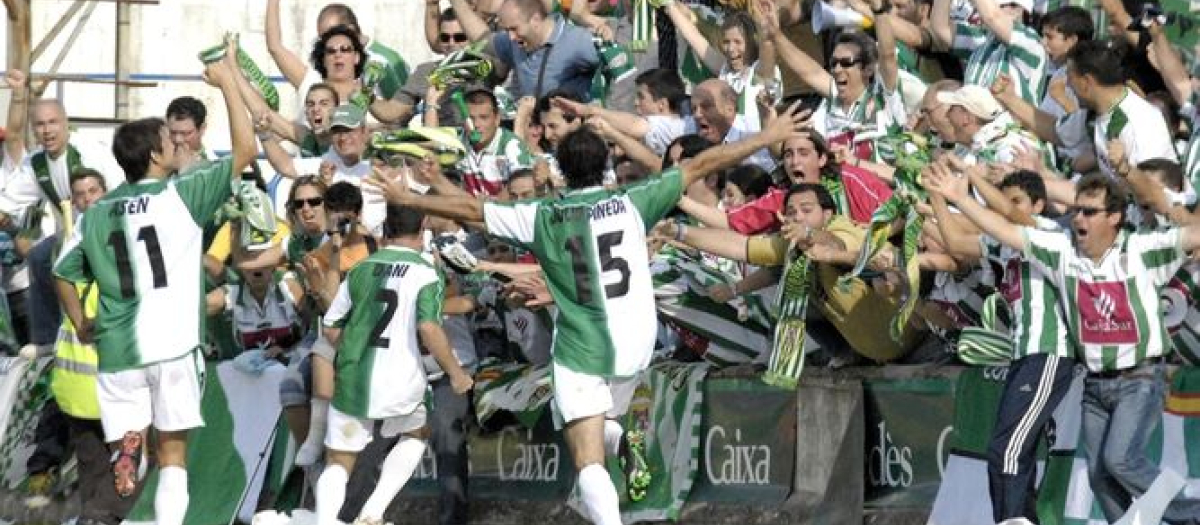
975,99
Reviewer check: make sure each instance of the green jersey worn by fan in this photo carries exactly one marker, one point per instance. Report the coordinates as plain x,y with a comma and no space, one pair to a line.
591,244
141,244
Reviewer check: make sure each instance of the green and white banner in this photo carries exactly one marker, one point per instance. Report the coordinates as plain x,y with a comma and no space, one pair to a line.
666,407
24,390
520,389
227,457
736,332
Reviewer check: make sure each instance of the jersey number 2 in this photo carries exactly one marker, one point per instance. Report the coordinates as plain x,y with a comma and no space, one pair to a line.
391,301
158,270
608,263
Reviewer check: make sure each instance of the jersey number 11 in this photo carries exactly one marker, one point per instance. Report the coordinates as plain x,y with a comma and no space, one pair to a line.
146,234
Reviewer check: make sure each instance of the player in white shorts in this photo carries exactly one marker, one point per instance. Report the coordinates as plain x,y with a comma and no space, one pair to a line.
381,307
141,244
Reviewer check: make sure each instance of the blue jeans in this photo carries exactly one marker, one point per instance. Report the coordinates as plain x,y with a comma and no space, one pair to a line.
1119,414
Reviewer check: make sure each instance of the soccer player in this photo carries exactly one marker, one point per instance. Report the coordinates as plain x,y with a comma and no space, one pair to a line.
380,308
142,244
591,244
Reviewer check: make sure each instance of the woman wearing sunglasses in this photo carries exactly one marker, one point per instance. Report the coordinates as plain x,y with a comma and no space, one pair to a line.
339,58
860,85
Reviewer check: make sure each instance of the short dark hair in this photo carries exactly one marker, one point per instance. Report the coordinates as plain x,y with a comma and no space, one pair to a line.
82,172
133,144
742,21
582,156
1027,181
1104,60
187,107
751,179
447,15
317,57
1071,21
483,96
663,83
402,221
1116,199
1168,170
337,99
690,144
520,173
343,197
824,199
543,104
344,14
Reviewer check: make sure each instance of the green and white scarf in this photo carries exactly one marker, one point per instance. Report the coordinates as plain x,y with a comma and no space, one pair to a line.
912,154
787,352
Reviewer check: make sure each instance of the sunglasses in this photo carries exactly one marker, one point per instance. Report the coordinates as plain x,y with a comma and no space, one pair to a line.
496,250
1086,211
346,50
844,62
457,37
312,203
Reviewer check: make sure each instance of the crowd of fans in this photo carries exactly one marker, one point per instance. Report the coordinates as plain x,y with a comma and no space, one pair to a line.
963,165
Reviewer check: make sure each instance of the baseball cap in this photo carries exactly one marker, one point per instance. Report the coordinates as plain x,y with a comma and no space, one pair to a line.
1027,5
975,99
347,116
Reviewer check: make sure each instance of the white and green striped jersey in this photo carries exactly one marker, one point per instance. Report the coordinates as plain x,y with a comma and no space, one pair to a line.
876,112
591,244
1139,126
1037,325
1112,308
1023,58
1181,313
378,307
142,245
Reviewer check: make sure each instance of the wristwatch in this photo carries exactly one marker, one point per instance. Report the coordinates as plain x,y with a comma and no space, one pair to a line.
885,7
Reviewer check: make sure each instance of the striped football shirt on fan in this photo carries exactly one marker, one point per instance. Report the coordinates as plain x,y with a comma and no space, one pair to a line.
1023,59
1037,323
1112,307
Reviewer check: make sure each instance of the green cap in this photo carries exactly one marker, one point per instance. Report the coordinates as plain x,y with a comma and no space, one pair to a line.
347,116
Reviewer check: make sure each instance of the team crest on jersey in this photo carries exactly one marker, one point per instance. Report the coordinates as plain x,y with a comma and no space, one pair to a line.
1010,285
1105,314
1176,300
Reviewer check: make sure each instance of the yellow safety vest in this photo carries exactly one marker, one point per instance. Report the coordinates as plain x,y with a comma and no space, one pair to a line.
73,380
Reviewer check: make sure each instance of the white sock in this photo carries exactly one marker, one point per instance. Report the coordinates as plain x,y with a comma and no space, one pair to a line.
397,468
599,495
612,437
331,493
171,498
314,444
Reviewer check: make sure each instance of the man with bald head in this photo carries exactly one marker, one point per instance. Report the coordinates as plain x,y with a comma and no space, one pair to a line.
715,117
39,180
547,52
